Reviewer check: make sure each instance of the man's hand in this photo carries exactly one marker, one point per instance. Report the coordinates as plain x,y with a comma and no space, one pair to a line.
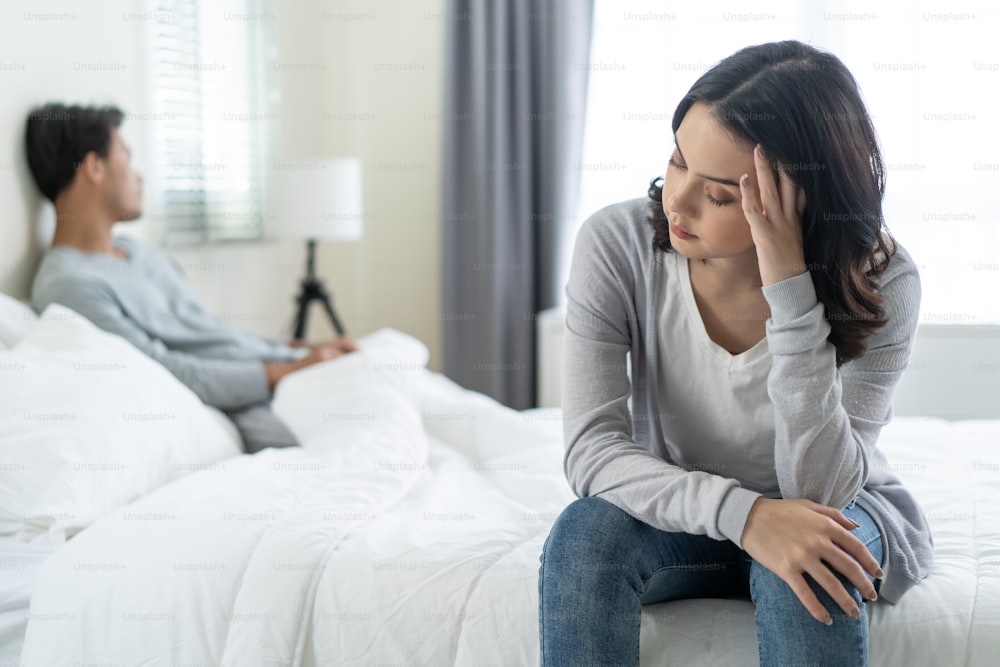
276,370
343,344
795,537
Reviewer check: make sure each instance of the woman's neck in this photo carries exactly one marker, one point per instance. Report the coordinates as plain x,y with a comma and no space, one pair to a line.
730,276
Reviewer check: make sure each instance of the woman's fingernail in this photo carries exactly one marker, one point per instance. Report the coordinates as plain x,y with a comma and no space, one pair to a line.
745,181
856,612
757,149
873,596
879,574
856,524
827,620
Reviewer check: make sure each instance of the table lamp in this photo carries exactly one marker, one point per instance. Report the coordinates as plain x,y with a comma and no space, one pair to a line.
316,199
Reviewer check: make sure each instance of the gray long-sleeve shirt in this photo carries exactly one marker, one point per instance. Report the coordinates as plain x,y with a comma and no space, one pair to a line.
147,300
825,422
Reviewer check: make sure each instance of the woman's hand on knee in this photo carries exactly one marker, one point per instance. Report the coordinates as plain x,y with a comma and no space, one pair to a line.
795,537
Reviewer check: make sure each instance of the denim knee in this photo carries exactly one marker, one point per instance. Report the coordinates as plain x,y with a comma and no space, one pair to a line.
586,522
773,596
787,634
587,537
589,611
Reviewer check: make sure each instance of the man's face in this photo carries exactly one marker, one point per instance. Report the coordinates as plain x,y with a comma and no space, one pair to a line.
122,184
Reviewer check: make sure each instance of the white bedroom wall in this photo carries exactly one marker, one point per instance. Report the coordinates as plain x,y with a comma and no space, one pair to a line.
58,51
373,89
391,54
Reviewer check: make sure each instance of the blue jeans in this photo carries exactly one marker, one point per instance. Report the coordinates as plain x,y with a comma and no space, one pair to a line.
600,565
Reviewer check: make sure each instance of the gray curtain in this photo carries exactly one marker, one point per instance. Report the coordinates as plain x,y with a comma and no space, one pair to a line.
515,96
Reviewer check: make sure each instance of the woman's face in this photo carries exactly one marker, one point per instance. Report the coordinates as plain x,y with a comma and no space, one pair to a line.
701,192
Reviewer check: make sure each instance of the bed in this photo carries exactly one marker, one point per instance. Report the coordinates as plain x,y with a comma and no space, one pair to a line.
406,530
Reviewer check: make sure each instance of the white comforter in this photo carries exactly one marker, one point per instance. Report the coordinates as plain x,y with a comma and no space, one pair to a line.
408,530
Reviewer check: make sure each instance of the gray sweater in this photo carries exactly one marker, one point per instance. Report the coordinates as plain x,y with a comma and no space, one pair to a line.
826,420
147,300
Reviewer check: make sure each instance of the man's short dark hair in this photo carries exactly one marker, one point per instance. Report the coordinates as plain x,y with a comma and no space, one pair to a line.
58,138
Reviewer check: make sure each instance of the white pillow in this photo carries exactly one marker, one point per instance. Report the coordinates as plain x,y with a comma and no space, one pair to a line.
15,319
89,423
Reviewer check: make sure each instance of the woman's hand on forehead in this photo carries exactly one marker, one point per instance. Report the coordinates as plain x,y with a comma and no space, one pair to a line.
774,211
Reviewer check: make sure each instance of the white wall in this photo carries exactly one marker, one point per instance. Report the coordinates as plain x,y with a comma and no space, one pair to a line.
46,53
374,90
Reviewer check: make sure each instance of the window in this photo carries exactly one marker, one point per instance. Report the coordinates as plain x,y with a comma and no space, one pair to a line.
210,129
931,80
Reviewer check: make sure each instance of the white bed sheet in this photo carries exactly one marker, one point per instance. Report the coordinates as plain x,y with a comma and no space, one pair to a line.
445,571
476,584
19,565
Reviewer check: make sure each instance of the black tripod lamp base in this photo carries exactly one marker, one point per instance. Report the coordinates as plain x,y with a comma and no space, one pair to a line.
313,290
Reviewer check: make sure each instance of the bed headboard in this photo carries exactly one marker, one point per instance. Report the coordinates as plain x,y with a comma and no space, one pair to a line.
954,370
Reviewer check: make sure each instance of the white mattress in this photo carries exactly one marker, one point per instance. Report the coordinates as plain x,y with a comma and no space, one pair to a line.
434,560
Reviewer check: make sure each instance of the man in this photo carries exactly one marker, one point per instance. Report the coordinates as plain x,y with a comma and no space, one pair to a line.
81,163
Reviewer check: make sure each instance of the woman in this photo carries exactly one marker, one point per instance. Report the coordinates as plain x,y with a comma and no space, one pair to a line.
766,316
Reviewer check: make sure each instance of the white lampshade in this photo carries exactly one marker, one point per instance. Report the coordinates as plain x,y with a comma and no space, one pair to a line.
314,198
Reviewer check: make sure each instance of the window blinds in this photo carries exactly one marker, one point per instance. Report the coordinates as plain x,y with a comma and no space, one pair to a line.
210,128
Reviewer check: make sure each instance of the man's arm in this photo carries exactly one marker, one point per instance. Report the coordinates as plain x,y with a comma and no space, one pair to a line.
223,383
338,346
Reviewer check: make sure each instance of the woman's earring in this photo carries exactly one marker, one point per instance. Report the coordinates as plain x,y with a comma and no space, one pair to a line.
655,191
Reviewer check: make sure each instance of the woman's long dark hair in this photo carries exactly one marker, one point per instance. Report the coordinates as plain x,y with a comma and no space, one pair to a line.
805,109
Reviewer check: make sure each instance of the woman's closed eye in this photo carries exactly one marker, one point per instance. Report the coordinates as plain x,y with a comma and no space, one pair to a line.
711,200
718,202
